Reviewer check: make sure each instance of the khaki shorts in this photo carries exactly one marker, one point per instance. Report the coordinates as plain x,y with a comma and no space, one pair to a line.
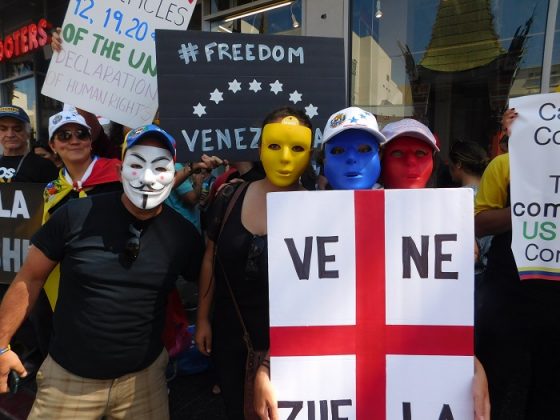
62,395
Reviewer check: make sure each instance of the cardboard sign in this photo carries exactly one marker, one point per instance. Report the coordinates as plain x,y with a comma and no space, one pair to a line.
108,64
371,303
534,153
215,89
21,211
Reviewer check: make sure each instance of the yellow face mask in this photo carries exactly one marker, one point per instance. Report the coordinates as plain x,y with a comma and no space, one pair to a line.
285,151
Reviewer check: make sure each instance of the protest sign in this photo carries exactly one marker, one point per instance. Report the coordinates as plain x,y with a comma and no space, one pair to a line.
215,89
21,211
371,303
534,153
108,64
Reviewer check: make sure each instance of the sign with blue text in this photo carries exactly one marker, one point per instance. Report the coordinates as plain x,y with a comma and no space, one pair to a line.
107,65
534,153
371,303
215,89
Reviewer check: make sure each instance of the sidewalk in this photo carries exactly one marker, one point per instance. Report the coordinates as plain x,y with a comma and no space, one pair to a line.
190,398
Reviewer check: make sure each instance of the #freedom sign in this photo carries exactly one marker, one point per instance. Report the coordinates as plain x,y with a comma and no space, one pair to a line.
371,304
215,89
21,211
108,65
534,153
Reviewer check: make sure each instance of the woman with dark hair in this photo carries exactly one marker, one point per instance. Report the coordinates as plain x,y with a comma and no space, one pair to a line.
236,256
467,162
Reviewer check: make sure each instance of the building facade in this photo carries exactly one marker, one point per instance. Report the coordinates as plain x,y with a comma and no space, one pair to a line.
451,63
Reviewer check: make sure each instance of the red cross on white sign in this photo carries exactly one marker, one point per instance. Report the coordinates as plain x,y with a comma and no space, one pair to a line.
371,338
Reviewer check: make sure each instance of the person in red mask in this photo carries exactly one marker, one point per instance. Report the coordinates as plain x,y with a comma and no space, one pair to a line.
407,161
408,155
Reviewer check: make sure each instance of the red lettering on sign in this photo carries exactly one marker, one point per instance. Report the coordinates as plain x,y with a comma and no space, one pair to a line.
25,40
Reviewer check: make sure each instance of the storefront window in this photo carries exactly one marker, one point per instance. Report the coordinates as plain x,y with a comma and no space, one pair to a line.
452,64
18,69
220,5
285,20
555,70
22,93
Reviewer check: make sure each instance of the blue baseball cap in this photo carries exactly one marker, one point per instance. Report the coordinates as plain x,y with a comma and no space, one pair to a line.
150,130
14,111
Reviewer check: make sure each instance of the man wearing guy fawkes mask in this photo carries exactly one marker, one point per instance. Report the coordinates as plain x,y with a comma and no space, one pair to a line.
120,255
148,171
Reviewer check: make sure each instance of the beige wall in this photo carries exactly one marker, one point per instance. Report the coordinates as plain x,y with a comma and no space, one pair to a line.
373,85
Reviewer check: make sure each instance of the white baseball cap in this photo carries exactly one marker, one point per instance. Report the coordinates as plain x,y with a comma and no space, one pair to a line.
66,117
410,128
352,118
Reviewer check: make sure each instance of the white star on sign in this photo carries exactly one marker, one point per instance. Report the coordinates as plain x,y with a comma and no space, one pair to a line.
255,86
311,111
199,110
295,97
276,87
234,86
216,96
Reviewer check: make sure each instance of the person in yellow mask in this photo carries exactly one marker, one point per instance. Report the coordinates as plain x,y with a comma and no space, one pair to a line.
236,254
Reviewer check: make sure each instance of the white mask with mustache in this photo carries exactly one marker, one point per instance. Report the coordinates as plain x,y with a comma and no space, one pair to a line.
147,175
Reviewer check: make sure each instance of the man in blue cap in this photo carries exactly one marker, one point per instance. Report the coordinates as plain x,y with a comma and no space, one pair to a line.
120,255
16,163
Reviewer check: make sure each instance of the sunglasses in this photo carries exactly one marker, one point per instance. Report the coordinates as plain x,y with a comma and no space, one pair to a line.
256,248
132,246
66,135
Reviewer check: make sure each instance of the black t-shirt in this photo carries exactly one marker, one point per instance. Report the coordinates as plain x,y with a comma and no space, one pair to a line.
110,311
33,168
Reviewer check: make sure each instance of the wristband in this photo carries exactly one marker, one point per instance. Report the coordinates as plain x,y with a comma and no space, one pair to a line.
5,350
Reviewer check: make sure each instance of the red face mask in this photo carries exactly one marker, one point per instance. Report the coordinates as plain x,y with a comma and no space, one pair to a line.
407,163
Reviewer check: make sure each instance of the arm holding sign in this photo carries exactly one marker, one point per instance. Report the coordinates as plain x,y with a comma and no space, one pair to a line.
493,214
17,303
203,334
206,162
266,403
56,40
507,120
481,397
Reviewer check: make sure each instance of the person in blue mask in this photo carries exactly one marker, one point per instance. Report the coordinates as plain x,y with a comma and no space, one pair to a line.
351,143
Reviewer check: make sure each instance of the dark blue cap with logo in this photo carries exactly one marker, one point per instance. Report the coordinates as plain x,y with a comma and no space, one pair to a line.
14,111
150,130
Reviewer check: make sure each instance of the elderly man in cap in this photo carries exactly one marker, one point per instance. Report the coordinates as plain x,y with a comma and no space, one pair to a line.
120,255
16,163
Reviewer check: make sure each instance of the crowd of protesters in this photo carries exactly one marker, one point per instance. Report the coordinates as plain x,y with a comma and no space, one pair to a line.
127,220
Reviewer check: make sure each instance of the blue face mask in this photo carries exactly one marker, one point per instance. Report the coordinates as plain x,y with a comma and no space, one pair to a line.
352,160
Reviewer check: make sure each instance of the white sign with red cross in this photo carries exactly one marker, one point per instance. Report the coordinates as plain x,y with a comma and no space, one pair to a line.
371,304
